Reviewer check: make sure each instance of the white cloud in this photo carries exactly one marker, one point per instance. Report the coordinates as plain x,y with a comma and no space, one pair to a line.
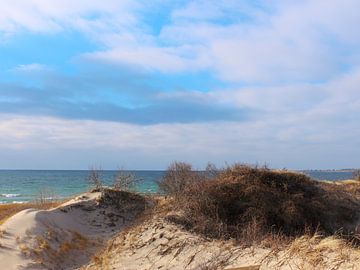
283,42
50,16
303,127
29,68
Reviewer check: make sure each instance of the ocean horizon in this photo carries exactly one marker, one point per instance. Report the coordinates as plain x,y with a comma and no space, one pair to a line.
20,186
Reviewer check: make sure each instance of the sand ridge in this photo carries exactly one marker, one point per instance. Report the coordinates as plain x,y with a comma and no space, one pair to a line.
61,238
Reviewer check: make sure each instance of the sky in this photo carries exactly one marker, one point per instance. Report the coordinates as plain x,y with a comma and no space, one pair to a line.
139,84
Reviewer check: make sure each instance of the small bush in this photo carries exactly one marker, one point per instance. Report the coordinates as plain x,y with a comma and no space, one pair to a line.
247,202
357,175
178,176
127,201
126,181
94,178
45,195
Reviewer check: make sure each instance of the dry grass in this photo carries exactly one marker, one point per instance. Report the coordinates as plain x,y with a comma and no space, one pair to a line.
8,210
318,252
78,242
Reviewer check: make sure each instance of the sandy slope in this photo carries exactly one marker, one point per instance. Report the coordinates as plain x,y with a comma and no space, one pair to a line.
60,238
158,244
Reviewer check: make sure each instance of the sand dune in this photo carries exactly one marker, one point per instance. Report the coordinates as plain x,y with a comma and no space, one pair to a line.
159,244
93,232
61,238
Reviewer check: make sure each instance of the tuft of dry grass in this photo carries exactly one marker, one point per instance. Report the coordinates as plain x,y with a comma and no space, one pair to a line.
318,252
8,210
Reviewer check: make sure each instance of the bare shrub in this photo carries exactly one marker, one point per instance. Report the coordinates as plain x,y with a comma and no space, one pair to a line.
211,171
94,178
249,203
126,181
178,176
45,195
125,200
357,174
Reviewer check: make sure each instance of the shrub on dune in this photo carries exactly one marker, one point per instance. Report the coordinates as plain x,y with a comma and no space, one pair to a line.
249,202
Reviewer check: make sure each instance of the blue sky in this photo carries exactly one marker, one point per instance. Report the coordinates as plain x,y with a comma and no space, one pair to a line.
137,84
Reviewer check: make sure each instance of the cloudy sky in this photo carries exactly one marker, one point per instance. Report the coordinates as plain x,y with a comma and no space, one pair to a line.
139,84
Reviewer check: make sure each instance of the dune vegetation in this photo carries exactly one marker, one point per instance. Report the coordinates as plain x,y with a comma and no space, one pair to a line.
246,202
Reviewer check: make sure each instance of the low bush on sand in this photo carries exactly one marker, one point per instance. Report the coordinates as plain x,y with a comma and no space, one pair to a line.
246,202
177,178
125,200
357,175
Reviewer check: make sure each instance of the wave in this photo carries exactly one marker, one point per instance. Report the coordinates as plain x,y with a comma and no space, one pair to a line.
10,195
16,202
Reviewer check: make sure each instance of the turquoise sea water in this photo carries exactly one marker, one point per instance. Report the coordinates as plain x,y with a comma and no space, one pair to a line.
25,185
18,186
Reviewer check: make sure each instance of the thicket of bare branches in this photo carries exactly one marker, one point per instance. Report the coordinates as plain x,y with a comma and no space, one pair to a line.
95,179
45,195
357,175
178,176
126,181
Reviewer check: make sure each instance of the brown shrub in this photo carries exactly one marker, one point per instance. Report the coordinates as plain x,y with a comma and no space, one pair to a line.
125,200
247,202
126,181
357,175
95,179
178,176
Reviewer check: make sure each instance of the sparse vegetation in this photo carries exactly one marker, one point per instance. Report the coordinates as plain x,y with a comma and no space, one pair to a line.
95,179
45,195
126,181
125,200
357,175
177,178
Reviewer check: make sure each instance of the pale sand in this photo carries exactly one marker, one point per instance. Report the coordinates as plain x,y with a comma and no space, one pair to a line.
61,238
158,244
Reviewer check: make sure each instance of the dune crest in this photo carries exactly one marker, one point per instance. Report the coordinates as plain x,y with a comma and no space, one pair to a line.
64,237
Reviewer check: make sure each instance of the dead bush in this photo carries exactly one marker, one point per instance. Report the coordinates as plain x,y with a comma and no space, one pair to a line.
357,175
246,202
45,195
94,179
126,181
127,201
178,176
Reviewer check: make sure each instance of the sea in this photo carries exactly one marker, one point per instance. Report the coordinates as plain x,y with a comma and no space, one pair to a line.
19,186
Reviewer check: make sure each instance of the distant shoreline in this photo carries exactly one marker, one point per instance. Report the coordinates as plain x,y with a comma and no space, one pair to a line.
328,170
